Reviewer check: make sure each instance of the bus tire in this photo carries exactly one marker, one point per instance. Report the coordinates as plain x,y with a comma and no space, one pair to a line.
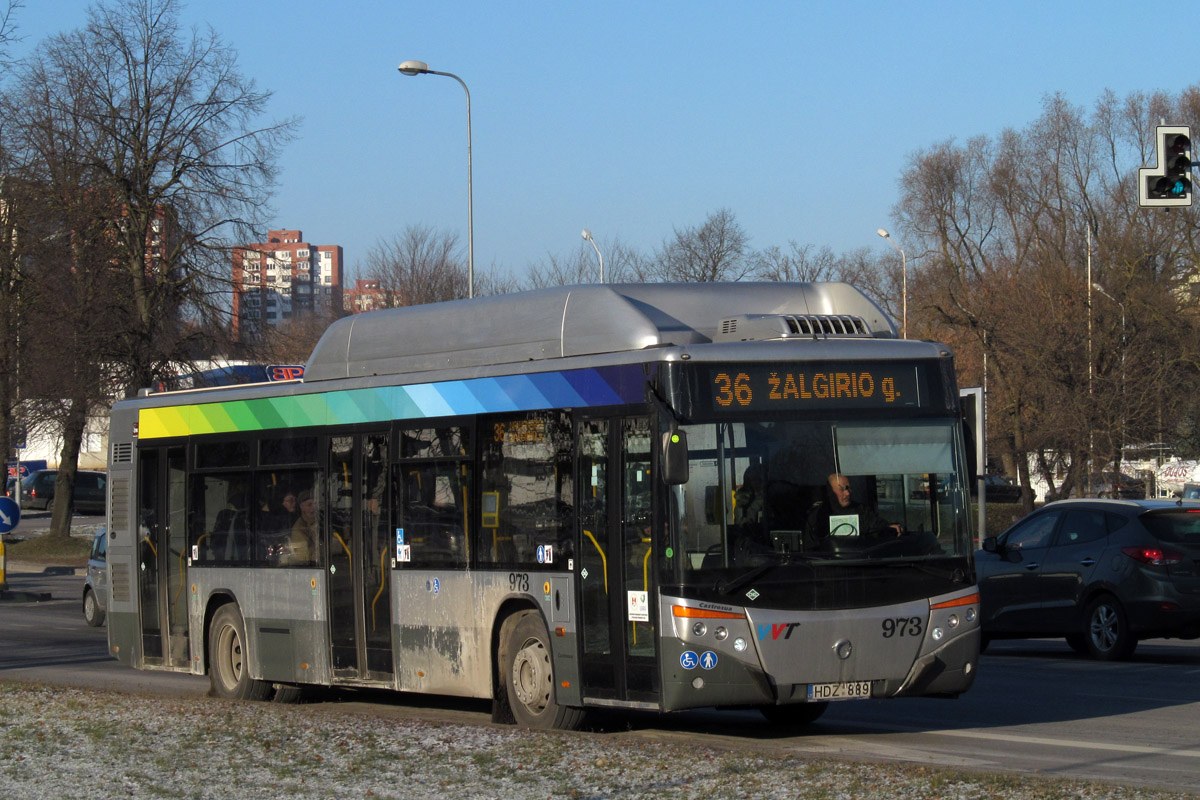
287,693
794,714
527,675
228,670
92,613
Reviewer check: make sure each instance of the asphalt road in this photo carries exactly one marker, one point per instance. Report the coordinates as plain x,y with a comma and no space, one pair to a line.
1037,707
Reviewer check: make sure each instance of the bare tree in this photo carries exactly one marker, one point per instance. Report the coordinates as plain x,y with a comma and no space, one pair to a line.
800,263
715,250
10,272
170,131
418,266
133,151
621,265
1001,230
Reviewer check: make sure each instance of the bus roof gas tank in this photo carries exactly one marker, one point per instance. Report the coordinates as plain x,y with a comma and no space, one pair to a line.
567,321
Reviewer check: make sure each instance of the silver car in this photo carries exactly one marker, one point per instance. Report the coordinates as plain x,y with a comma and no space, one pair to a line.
95,585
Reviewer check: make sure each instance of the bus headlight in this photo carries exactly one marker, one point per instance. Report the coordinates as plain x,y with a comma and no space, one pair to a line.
720,634
937,634
953,621
739,644
698,629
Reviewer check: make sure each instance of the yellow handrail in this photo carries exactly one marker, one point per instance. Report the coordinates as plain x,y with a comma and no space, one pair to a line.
342,541
645,578
382,584
603,559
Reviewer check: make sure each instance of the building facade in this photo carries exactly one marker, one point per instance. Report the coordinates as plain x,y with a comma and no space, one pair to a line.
281,279
367,295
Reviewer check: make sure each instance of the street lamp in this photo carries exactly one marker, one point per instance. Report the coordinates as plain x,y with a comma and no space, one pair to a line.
421,68
587,235
1100,289
904,271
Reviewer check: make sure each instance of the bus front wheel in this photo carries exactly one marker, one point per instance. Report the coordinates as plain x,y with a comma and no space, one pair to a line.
527,672
229,669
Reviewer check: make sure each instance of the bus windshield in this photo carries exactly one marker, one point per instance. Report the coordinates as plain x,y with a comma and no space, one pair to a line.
819,499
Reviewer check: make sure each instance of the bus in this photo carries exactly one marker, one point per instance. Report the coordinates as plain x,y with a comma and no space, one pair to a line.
543,499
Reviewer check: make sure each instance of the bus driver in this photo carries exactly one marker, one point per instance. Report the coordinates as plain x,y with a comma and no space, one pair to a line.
839,515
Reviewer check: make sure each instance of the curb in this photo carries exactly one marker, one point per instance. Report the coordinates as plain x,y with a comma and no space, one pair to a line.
9,596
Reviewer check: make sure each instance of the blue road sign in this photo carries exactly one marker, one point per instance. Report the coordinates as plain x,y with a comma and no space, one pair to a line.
10,514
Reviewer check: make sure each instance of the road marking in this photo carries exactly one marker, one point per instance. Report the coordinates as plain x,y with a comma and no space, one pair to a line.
1041,740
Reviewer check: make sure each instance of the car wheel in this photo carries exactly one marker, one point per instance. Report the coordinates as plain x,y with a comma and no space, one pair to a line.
229,672
92,613
1107,633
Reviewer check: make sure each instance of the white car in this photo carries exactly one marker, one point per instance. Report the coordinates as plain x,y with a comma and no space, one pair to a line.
95,584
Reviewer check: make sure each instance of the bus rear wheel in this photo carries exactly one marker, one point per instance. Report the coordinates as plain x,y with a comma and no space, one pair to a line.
229,670
527,674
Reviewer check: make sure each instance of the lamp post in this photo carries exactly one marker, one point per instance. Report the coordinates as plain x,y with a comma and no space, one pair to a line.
1101,290
904,272
587,235
421,68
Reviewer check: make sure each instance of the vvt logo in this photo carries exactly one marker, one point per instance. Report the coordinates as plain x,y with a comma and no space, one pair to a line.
778,630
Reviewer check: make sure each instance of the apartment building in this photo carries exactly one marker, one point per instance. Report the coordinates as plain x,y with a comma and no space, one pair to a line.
284,278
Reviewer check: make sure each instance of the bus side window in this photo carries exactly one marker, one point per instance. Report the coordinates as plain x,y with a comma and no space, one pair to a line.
528,490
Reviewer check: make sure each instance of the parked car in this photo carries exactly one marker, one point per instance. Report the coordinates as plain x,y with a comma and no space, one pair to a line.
1110,484
95,583
1100,573
91,490
999,489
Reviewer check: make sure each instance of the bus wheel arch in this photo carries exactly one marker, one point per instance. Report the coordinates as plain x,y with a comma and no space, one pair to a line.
525,678
228,657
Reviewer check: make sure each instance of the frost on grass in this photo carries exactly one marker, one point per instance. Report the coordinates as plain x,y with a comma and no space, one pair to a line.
71,742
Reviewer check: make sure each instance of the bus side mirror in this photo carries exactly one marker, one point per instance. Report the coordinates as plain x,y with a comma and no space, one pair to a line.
675,457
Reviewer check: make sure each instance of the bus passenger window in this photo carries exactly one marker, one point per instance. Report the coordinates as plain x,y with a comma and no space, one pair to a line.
527,480
434,512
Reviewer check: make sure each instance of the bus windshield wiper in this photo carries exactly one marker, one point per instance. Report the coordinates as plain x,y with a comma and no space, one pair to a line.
733,584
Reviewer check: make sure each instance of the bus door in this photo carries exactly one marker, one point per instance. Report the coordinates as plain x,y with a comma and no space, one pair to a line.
359,557
162,556
615,570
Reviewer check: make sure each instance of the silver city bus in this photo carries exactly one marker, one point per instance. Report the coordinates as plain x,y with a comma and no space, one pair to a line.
613,495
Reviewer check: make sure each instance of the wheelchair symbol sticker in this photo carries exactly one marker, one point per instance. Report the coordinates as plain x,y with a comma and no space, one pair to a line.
688,660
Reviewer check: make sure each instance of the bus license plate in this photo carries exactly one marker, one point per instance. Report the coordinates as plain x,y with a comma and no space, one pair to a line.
852,690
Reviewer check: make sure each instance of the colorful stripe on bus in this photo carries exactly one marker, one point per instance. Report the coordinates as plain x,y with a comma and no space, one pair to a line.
600,386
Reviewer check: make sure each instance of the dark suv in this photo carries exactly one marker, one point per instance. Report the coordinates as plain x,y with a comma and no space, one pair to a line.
1101,573
91,490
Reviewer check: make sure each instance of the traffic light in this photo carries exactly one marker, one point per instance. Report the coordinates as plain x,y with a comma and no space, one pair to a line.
1169,182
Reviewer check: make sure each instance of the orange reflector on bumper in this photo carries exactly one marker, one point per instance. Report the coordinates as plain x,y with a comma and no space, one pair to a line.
968,600
704,613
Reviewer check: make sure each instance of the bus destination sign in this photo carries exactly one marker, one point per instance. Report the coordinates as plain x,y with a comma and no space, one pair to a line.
788,387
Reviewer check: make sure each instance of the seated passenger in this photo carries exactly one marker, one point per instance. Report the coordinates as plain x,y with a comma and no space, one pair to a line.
303,544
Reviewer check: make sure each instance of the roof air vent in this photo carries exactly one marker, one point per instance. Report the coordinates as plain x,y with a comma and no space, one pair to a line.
787,326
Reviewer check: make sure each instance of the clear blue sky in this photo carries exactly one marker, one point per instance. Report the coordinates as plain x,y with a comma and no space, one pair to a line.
634,118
